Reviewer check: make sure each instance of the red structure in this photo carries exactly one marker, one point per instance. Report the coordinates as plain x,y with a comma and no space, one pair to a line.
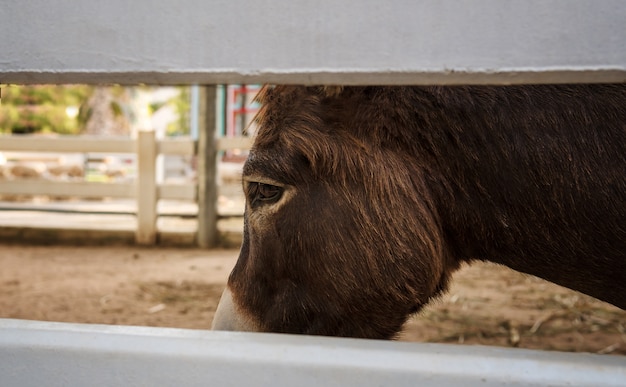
240,109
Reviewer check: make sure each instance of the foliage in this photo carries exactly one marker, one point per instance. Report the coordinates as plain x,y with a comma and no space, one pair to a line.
65,109
43,108
182,106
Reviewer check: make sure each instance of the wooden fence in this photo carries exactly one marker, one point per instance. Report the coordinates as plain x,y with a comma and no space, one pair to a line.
144,189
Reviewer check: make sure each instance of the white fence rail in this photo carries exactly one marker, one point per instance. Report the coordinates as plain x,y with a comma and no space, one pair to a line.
313,42
58,354
144,189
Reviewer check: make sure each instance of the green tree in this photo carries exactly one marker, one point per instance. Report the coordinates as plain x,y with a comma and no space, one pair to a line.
182,105
76,109
43,108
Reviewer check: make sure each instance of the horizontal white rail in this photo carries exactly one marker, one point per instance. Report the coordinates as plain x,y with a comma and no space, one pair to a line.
177,191
90,144
67,188
93,189
59,354
93,144
313,42
77,144
225,143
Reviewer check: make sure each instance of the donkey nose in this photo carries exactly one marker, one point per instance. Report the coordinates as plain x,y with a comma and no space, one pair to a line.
229,318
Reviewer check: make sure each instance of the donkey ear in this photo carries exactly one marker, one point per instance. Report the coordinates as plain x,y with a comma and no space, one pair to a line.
331,91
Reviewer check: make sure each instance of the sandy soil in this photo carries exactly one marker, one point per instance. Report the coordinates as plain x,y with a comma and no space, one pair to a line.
487,304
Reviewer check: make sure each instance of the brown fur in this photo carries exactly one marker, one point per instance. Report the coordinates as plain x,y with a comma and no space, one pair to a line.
387,190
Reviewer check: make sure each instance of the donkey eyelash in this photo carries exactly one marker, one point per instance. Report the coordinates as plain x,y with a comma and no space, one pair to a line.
262,193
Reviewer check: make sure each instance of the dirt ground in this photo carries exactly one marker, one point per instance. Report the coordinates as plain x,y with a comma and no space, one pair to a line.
487,304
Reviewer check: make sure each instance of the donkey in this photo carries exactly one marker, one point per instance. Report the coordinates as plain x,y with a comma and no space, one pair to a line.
362,201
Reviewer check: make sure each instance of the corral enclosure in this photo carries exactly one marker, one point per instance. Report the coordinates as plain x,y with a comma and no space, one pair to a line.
394,42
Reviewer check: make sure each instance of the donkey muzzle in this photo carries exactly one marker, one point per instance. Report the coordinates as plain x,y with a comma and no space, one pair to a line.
229,318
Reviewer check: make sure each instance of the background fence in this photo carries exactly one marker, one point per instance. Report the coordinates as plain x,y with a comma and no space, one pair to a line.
395,42
144,189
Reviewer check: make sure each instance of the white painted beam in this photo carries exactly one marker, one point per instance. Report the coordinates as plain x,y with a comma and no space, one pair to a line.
176,146
177,191
67,188
59,354
227,143
99,144
93,189
90,144
312,42
69,144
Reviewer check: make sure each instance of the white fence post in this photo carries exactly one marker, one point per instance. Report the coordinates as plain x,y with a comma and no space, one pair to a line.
146,190
207,169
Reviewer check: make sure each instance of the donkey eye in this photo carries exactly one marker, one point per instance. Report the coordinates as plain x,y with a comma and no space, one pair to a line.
259,193
268,192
